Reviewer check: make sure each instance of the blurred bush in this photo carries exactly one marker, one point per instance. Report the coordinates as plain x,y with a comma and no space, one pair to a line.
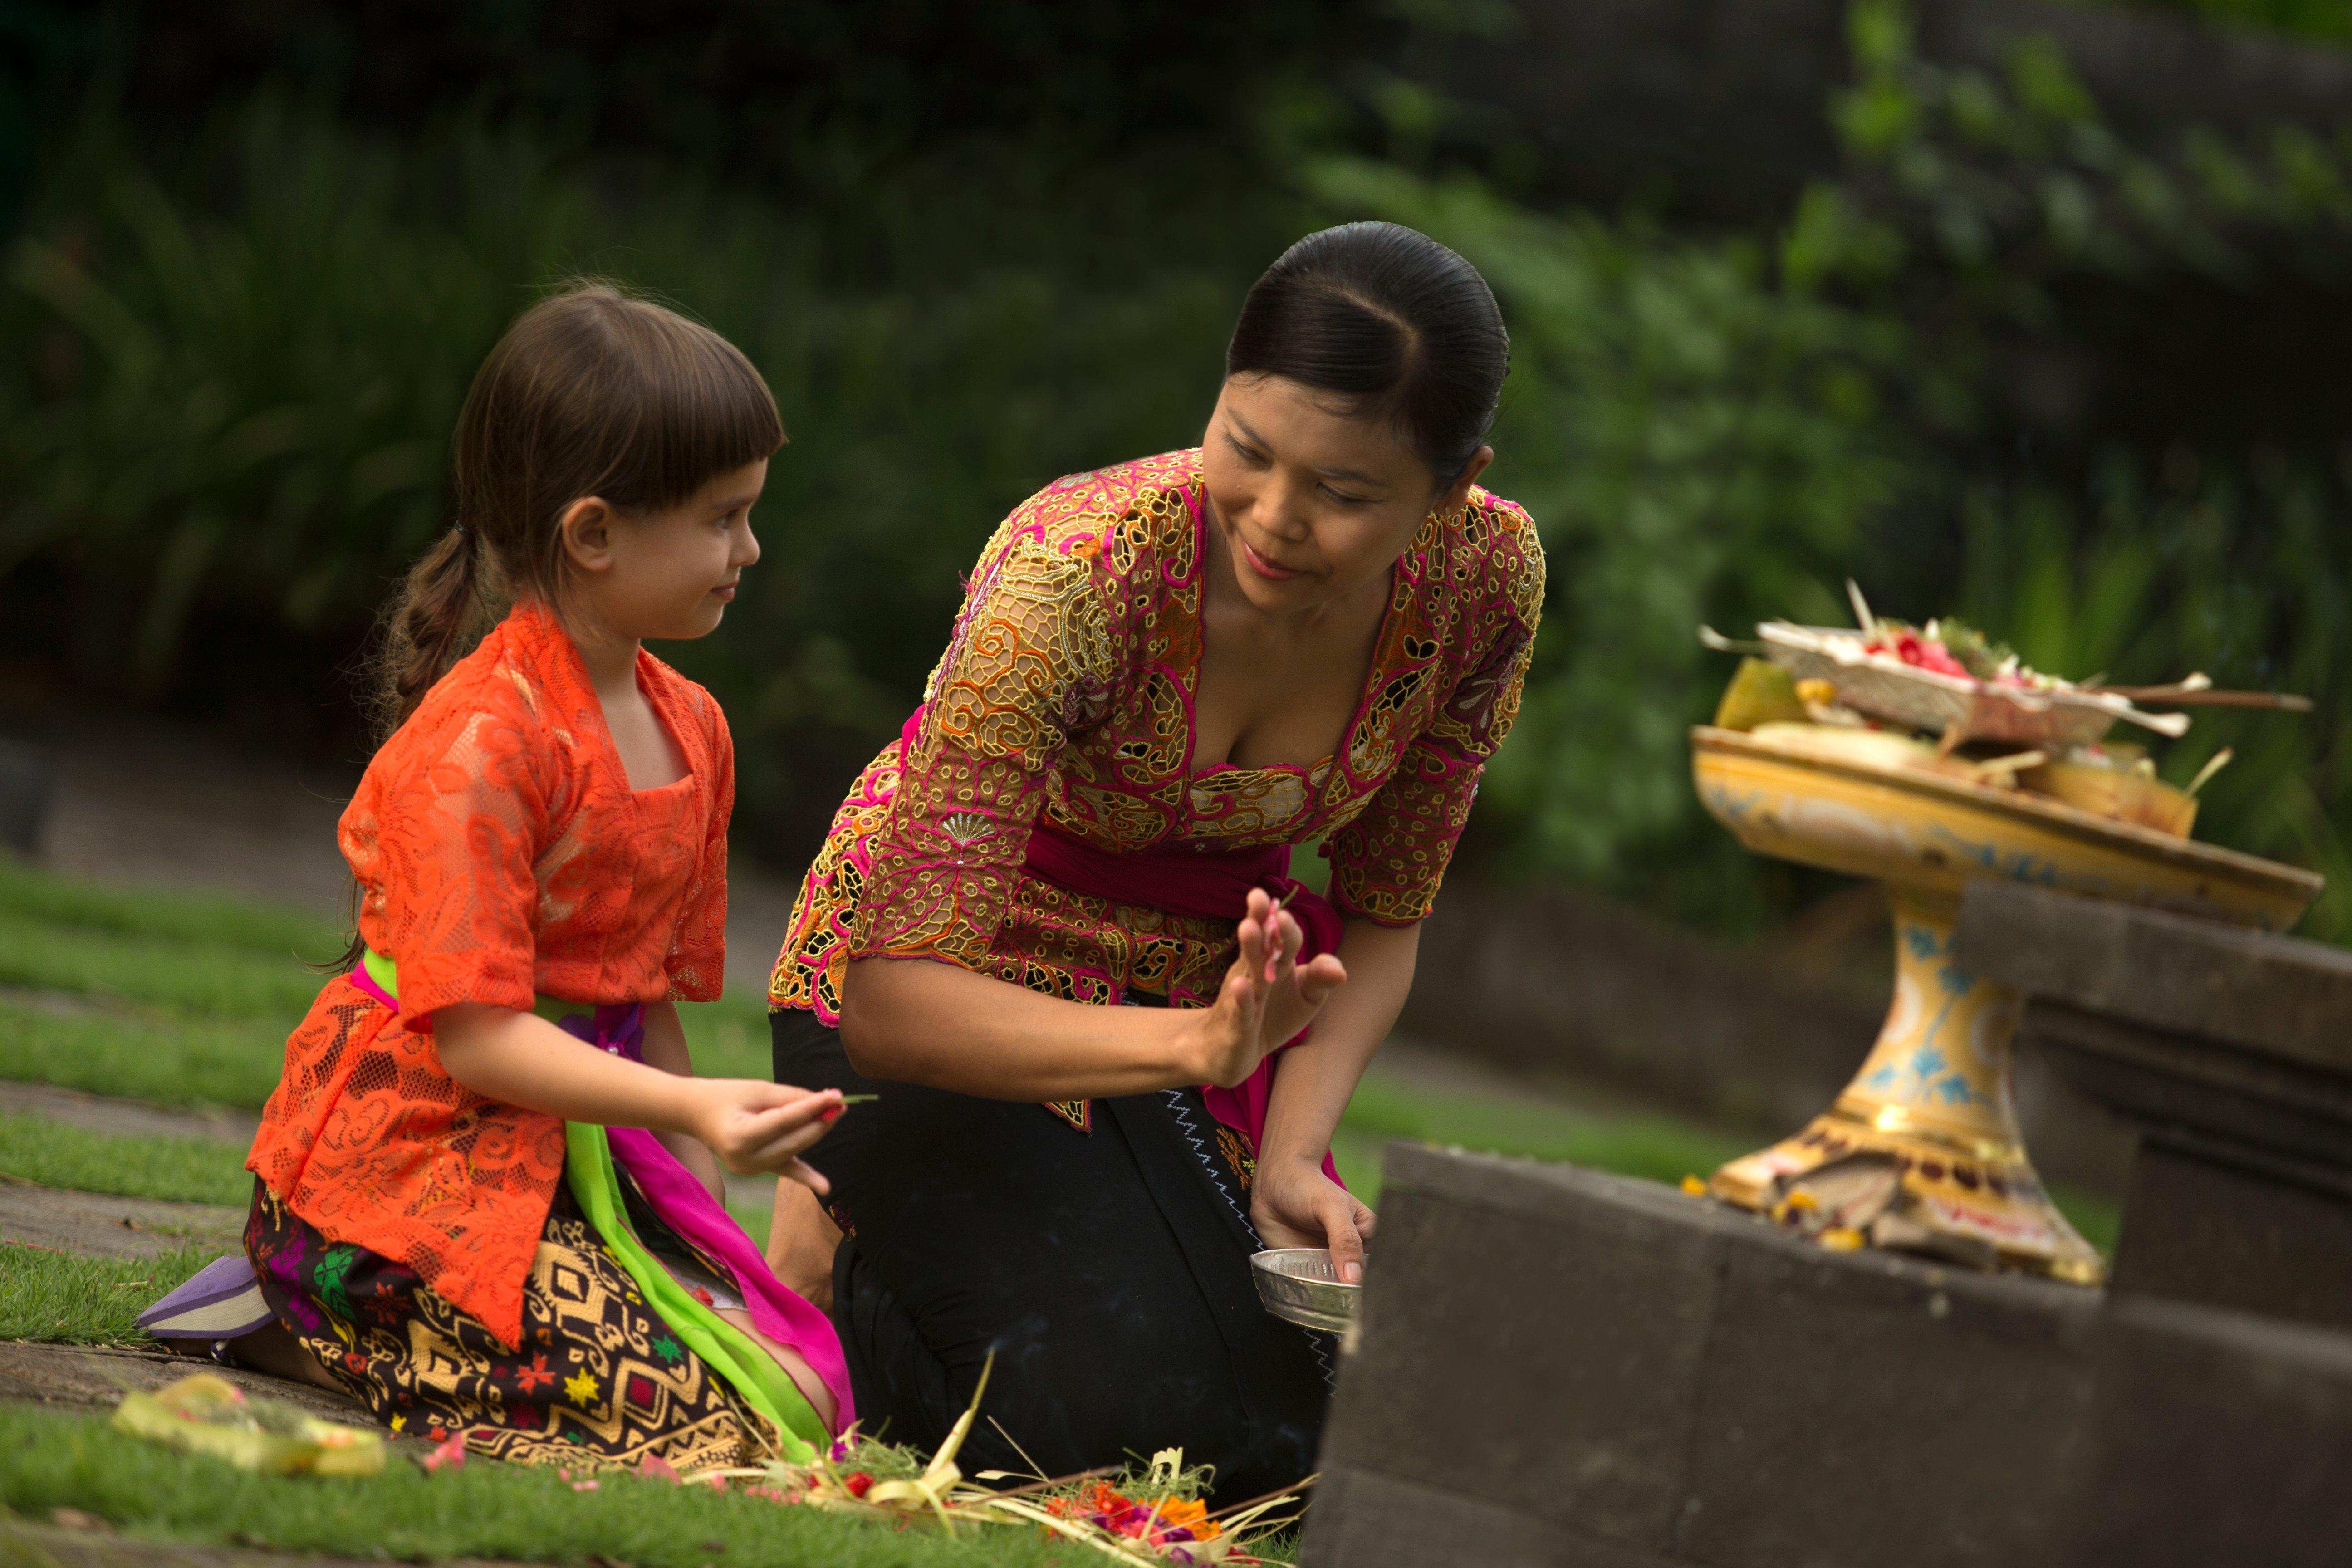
230,380
2328,19
1722,428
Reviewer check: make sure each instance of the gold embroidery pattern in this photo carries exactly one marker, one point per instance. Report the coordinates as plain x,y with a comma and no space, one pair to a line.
1067,690
1236,1151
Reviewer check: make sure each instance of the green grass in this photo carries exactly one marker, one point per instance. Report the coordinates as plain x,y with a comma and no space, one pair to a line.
212,957
188,1001
51,1460
1661,1148
729,1038
193,1170
207,979
2098,1219
756,1219
36,895
66,1299
162,997
144,1053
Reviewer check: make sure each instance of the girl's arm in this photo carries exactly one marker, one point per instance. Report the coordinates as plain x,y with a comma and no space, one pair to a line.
923,1021
1292,1202
522,1059
665,1048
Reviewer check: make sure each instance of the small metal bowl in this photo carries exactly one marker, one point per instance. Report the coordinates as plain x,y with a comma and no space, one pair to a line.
1299,1285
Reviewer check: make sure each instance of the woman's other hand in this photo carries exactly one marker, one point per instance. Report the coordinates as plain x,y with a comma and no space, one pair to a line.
1268,995
1293,1203
756,1127
802,1241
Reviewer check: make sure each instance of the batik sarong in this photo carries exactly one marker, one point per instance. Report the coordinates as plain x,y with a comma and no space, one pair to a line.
599,1378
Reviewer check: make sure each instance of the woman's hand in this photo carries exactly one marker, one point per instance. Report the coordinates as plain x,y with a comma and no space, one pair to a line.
802,1241
754,1127
1293,1203
1268,995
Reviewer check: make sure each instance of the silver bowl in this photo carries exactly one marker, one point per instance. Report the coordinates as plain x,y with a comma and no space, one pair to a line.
1299,1285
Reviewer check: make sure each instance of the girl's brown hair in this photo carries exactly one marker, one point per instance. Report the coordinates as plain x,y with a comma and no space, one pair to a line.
591,392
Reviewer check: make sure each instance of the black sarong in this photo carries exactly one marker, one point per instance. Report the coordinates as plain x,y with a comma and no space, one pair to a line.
1108,1269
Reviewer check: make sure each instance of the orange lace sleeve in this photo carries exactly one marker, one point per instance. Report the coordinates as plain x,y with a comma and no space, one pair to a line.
460,811
1029,663
1387,864
697,961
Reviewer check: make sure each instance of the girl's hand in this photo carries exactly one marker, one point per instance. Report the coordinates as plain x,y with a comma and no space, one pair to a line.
1267,996
1293,1203
754,1127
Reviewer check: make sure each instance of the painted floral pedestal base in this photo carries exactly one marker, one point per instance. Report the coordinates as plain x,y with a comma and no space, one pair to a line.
1922,1149
1934,1098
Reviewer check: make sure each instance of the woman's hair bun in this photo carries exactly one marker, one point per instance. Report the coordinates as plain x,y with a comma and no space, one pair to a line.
1397,324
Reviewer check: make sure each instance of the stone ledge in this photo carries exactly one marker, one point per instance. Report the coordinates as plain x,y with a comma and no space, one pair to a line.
2218,1437
2253,990
1599,1370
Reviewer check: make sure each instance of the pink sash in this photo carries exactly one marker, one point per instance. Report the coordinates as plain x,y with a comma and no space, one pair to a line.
1198,885
687,1206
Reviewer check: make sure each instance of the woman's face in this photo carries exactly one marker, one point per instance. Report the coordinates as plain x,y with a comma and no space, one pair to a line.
1313,502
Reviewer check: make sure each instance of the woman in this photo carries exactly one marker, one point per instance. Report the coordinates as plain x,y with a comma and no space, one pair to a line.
1165,674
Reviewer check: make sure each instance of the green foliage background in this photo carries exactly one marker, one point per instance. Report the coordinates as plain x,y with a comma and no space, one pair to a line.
228,368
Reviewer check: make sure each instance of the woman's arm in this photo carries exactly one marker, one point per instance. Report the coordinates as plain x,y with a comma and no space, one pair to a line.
522,1059
665,1048
1292,1202
920,1021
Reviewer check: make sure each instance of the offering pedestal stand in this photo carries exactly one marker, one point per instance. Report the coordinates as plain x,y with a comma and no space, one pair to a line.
1935,1097
1933,1106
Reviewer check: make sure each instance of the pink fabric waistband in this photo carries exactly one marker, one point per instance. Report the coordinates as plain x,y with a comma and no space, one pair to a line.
1200,884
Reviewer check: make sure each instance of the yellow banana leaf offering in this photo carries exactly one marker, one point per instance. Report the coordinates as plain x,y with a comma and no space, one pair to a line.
1946,698
203,1414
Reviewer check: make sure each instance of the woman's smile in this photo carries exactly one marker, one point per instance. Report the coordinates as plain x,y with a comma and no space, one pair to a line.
1264,568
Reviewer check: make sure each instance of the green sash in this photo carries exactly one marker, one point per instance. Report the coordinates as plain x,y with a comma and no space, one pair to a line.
725,1349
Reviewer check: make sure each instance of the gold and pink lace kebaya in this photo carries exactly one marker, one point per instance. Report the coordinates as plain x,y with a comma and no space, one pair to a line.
1066,694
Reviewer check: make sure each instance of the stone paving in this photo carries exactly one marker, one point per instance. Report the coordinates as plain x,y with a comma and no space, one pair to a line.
100,1224
125,1118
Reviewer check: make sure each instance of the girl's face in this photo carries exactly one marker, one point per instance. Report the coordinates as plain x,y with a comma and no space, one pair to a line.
1312,503
667,575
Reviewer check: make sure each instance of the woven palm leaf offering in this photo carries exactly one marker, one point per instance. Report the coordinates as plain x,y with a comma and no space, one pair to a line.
205,1413
1924,757
1155,1514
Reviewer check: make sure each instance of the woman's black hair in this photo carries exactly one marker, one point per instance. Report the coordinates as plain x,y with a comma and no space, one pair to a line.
1398,325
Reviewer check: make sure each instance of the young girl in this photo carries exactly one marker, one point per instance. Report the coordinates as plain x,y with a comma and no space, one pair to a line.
455,1214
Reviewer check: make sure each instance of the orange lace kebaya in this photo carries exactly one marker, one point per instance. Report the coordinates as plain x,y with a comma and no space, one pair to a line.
1066,693
501,857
